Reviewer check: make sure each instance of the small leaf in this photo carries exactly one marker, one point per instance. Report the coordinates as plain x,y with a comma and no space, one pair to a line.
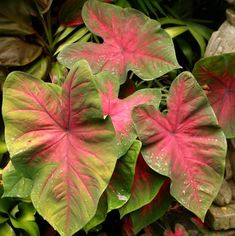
120,109
26,219
39,68
58,138
119,188
145,187
16,52
124,31
44,5
186,144
217,73
153,210
15,184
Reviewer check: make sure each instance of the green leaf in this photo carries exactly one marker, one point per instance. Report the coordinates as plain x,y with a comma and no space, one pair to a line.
15,184
176,30
58,73
6,230
119,188
16,52
26,219
100,214
39,68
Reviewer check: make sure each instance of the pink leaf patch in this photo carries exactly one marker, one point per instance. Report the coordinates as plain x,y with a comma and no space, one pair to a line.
132,41
58,137
179,231
217,74
186,144
120,110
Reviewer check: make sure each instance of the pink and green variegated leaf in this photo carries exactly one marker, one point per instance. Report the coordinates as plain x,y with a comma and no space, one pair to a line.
152,211
132,41
217,75
120,110
145,187
119,188
186,144
58,138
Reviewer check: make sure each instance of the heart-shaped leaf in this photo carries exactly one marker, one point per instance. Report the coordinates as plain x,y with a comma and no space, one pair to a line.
132,41
145,187
120,109
58,137
186,144
217,74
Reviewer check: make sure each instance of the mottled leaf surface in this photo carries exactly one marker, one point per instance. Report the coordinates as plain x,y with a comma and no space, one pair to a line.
186,144
120,110
58,137
217,75
132,41
145,187
119,188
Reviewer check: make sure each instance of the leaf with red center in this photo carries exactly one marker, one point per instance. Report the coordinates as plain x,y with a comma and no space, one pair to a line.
120,110
132,41
217,73
153,210
145,187
58,138
186,144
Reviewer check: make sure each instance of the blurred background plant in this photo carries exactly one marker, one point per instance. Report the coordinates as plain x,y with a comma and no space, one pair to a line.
33,32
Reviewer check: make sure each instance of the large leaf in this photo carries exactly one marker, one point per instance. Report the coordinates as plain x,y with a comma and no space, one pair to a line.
58,137
119,188
125,47
217,73
120,109
186,144
16,52
145,187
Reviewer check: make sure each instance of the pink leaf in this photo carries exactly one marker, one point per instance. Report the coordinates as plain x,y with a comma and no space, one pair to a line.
132,41
186,144
120,110
217,74
58,137
179,231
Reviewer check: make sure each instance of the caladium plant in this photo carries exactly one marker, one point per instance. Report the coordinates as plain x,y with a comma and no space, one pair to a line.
217,75
58,137
120,109
132,41
186,144
73,144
